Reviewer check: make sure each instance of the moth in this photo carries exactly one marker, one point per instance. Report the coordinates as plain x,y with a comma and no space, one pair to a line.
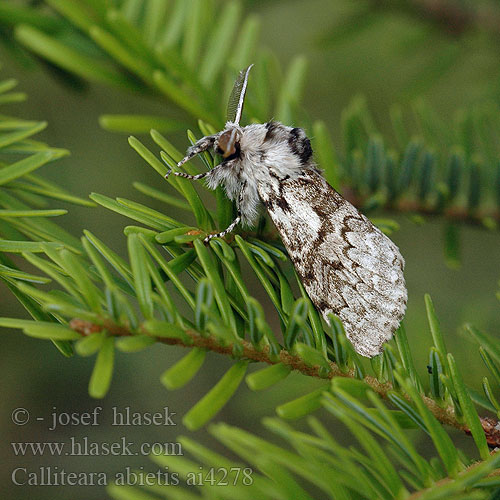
346,264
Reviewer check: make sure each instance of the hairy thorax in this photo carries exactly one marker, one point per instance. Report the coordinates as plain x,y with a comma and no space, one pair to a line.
268,153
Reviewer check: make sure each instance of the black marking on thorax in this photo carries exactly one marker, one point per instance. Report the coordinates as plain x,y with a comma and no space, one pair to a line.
300,145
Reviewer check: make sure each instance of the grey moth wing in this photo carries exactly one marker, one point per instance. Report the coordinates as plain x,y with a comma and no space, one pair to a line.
346,264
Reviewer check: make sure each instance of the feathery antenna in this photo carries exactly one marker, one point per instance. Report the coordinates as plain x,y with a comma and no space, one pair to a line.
237,97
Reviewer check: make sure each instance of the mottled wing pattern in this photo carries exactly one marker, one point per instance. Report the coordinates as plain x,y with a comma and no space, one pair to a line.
347,265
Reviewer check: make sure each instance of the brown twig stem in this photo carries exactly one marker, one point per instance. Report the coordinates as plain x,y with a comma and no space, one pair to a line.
445,415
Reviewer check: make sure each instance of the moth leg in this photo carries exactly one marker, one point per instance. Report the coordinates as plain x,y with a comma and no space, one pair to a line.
193,177
226,231
202,145
187,176
235,222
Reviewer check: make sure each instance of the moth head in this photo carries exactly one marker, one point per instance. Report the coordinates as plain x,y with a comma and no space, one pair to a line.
228,144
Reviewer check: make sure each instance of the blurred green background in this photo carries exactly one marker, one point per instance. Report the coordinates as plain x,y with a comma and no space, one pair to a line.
389,52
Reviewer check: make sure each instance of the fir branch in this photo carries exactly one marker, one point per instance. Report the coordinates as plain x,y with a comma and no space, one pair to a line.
447,480
485,218
445,415
220,307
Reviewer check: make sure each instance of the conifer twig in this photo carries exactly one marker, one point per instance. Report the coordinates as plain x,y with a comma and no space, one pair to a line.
445,415
418,494
454,213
